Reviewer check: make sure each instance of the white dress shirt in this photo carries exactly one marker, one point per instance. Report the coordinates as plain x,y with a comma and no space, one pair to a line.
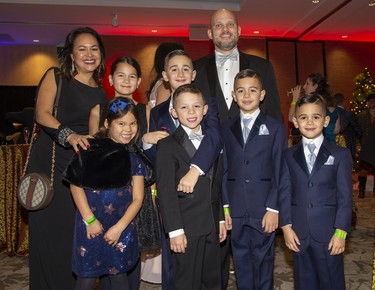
318,141
253,117
226,75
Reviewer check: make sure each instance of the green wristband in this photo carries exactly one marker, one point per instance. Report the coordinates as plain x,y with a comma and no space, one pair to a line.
340,234
154,192
90,221
226,210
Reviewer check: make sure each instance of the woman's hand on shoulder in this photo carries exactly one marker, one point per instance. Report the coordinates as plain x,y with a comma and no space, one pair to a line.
76,141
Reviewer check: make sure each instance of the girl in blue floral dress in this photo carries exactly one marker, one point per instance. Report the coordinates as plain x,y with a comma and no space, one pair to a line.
107,185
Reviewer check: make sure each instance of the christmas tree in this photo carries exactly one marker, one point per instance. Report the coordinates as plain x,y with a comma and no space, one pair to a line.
364,85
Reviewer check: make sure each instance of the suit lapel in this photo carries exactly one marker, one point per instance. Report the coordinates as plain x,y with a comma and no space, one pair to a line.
244,64
165,119
322,157
212,76
237,131
183,139
217,93
255,129
299,156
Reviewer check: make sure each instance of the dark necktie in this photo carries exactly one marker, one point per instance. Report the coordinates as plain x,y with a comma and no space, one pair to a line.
312,156
245,130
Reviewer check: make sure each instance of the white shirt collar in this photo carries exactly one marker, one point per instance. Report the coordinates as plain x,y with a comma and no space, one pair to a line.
318,141
219,53
253,115
188,130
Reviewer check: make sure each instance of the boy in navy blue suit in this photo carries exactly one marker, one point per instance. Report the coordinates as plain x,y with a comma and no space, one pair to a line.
253,144
316,200
191,220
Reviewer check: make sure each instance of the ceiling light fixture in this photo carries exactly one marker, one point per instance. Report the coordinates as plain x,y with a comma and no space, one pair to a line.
371,4
36,40
315,1
344,36
114,20
256,32
154,30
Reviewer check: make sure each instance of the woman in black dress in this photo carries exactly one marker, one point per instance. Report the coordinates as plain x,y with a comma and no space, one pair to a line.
51,229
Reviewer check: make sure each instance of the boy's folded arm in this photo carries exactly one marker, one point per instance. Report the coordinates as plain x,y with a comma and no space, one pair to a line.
212,142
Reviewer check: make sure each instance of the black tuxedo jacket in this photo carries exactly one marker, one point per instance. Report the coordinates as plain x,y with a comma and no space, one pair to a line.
212,143
197,213
208,82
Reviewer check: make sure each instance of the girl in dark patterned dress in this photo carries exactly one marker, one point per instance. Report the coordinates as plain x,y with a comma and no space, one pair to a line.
107,184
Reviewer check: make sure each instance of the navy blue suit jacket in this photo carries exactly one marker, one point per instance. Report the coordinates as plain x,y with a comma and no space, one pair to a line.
251,170
208,82
160,119
317,203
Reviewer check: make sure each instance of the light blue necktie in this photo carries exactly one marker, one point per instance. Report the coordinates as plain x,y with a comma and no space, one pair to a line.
245,129
312,156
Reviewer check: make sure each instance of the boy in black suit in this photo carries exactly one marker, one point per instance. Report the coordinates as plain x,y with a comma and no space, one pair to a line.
191,220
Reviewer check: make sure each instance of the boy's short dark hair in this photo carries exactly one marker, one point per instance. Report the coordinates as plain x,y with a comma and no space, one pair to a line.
247,73
312,99
187,88
172,54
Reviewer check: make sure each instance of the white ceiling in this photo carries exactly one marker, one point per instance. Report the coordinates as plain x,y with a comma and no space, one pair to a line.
50,20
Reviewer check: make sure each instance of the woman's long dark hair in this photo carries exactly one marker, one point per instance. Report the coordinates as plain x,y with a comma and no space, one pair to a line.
65,59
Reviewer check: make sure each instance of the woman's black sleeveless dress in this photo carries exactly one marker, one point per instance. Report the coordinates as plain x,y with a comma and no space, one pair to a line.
51,229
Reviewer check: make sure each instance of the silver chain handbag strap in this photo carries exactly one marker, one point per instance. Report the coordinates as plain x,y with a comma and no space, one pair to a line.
55,105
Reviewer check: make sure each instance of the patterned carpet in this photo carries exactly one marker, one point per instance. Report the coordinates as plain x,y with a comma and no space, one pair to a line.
358,258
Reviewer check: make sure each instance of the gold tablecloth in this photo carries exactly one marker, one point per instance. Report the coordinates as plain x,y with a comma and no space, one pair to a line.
13,219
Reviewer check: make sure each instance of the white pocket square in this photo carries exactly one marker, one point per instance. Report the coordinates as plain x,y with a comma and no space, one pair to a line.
330,160
263,130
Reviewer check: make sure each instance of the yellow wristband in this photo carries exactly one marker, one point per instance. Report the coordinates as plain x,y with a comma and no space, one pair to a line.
154,192
293,103
226,210
340,234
